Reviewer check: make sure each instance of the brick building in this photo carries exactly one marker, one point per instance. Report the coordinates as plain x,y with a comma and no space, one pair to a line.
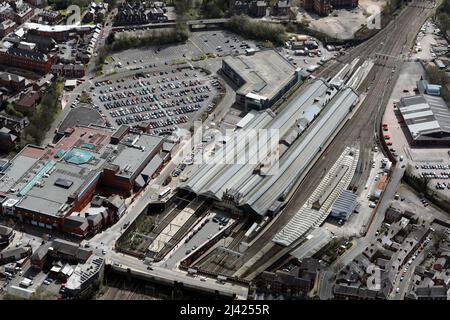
7,26
27,59
324,7
12,81
28,102
69,70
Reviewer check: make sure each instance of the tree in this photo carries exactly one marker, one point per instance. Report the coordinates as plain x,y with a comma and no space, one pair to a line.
43,116
258,30
214,8
110,39
438,237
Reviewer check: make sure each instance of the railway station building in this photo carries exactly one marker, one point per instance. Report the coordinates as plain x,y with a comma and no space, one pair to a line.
262,78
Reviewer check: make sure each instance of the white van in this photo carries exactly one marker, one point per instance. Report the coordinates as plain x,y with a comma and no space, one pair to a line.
26,283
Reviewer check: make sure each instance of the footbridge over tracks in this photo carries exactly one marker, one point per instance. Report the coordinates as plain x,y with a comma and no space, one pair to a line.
206,24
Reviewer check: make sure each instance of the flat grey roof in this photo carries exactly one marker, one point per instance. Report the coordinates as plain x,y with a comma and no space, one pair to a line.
346,202
130,157
49,198
265,72
80,116
17,169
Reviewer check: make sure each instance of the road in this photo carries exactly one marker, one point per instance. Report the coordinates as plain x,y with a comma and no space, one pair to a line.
106,239
325,291
409,274
170,276
68,98
404,27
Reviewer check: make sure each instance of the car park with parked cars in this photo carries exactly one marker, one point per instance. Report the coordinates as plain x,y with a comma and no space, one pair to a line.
164,100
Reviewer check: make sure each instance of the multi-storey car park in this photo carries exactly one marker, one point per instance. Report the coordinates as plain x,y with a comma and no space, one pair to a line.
263,78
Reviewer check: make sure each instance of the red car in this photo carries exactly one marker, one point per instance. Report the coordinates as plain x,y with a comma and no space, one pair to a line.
387,137
389,143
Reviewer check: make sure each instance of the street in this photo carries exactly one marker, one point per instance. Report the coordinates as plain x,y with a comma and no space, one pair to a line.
325,291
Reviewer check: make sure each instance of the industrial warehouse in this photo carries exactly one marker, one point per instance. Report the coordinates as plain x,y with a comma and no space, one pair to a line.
427,118
262,77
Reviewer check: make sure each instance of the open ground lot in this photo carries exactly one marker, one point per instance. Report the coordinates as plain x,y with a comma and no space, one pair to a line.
428,40
343,23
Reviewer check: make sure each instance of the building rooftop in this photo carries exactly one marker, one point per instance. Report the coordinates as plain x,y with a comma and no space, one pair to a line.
34,55
19,166
48,180
134,151
80,116
427,117
6,24
83,273
70,249
264,73
57,28
344,204
243,180
6,76
50,194
29,99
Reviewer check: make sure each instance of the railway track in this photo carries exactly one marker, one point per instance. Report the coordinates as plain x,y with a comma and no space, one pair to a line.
389,42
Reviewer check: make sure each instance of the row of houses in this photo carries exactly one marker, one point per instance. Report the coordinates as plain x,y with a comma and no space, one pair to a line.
324,7
388,254
17,11
259,8
137,13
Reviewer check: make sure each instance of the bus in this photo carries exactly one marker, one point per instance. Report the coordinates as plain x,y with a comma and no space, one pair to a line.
164,192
